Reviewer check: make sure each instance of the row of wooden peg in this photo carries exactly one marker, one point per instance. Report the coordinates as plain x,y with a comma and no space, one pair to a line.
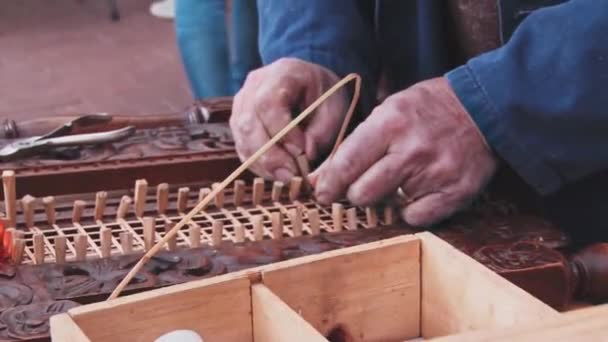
126,239
29,203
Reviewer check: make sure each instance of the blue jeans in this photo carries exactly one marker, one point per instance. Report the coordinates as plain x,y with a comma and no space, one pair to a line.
217,57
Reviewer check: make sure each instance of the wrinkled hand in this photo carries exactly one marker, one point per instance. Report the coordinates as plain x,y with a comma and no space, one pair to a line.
266,104
420,140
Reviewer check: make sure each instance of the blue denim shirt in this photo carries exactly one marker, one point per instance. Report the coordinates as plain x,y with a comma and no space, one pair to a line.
539,100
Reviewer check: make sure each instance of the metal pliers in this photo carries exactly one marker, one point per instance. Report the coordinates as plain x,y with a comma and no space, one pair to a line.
59,138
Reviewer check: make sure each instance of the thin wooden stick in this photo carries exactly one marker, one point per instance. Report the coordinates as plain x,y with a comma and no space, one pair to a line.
371,216
337,216
295,185
80,245
140,192
195,236
162,198
28,203
49,207
276,219
17,253
60,246
258,227
239,192
277,188
38,248
182,199
78,209
351,218
100,204
126,242
243,167
105,241
257,191
123,207
239,232
10,196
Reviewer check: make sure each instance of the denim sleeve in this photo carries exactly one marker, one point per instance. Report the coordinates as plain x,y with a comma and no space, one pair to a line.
540,100
336,34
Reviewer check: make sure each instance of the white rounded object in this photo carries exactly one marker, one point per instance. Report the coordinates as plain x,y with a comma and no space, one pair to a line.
180,336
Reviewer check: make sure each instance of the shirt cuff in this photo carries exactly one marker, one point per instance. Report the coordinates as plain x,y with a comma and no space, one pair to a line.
484,113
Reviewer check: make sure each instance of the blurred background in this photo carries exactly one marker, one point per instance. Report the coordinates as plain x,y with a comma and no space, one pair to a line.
68,56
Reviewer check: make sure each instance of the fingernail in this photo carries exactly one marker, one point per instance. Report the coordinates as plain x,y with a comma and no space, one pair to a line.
294,150
282,174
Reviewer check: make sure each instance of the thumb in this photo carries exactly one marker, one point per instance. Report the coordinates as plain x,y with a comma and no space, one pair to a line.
432,208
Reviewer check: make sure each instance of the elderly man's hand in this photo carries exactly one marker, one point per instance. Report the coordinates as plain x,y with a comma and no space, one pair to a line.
420,140
266,104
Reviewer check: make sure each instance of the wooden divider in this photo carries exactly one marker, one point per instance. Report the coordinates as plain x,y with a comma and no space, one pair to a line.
369,292
460,294
273,320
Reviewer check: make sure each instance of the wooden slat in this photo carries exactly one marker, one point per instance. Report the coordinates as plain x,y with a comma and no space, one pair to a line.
275,321
64,329
589,325
218,309
371,291
460,294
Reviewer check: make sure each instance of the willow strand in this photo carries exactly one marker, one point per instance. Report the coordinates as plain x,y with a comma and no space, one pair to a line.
242,168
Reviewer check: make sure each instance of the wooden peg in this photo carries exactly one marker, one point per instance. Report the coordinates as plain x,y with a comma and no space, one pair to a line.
351,218
217,232
304,168
295,216
8,240
258,191
239,192
140,193
182,199
239,232
277,225
337,216
100,204
295,187
202,193
172,242
195,236
49,207
219,198
17,251
277,188
314,221
78,209
38,248
389,215
258,227
28,203
372,217
60,247
10,196
162,198
126,242
123,207
105,238
80,245
149,232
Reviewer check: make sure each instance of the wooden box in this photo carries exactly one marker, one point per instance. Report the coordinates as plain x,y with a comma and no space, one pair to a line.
392,290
